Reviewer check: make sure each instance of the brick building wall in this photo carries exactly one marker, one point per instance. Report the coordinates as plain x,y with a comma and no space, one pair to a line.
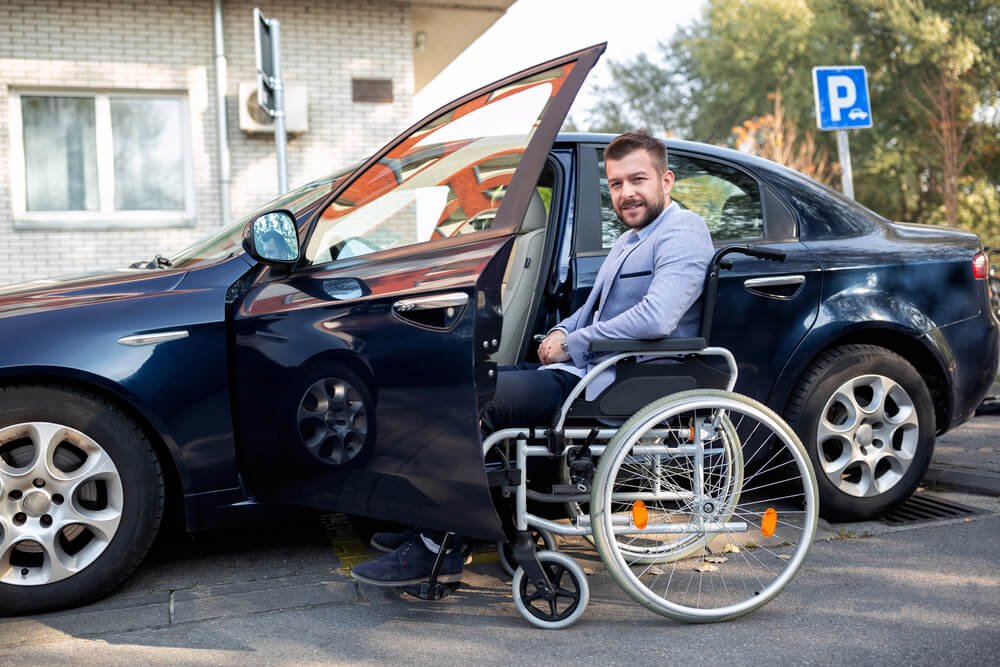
109,46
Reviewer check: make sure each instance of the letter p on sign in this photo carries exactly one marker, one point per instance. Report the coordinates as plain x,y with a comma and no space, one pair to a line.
842,95
841,98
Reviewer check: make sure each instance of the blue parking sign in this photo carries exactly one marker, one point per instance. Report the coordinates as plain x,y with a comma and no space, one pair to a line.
841,98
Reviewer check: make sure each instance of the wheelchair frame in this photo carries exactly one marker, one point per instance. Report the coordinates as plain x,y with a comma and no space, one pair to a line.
697,529
707,482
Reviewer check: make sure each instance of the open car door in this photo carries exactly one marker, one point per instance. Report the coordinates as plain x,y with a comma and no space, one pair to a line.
359,374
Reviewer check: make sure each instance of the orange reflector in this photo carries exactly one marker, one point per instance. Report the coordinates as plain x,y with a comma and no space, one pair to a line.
640,517
691,434
769,522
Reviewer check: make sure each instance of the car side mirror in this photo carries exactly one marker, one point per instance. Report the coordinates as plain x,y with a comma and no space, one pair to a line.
272,238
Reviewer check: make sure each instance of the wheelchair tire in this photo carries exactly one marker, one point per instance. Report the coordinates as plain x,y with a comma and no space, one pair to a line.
762,505
572,593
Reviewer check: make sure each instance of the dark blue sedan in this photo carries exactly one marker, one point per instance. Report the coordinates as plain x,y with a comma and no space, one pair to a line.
332,349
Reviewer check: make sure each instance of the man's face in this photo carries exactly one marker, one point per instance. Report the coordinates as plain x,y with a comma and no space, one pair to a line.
638,193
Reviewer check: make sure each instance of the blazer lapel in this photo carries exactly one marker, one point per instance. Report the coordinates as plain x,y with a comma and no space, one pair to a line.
612,274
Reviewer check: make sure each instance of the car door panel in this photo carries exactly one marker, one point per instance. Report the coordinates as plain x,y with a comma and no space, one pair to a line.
417,358
401,334
763,311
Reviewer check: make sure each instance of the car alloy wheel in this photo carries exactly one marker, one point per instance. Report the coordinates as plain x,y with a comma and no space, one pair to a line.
867,435
81,497
333,418
867,420
61,502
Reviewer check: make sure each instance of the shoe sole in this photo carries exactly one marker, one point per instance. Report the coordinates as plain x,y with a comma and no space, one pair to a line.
442,579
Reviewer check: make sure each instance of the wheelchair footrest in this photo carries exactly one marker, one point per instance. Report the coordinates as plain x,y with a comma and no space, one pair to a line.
431,591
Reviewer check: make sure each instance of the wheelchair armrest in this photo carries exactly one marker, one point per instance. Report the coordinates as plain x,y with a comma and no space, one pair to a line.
657,345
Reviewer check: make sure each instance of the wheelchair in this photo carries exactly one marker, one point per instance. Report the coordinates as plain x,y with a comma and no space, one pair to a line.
702,504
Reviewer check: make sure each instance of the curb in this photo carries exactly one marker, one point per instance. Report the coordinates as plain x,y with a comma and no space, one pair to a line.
963,480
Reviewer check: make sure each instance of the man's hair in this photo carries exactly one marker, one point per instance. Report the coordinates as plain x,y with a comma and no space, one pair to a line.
629,142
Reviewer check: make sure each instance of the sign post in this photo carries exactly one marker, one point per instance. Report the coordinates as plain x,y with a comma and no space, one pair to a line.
842,104
270,88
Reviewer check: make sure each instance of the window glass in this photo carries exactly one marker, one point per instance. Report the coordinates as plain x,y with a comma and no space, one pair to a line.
149,162
445,179
727,199
104,154
60,153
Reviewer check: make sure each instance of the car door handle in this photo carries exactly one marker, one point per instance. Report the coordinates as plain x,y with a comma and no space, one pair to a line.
776,287
435,302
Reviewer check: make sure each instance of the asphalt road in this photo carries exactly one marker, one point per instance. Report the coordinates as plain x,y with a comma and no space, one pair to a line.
924,593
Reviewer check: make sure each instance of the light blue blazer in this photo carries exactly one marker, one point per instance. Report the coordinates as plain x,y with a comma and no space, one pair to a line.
649,286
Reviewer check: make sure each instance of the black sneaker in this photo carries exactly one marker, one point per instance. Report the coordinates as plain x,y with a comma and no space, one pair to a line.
389,542
409,565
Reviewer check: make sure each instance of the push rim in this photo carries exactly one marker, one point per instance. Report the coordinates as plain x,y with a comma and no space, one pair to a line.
735,572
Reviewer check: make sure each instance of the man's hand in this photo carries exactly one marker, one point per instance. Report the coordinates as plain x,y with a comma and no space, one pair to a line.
550,350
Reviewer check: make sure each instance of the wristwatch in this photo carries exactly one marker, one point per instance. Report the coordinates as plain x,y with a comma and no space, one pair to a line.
564,345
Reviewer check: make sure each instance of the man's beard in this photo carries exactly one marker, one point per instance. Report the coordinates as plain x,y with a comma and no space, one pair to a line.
653,211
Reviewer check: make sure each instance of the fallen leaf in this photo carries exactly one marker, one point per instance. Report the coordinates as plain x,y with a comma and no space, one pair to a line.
784,557
706,567
730,548
715,559
657,570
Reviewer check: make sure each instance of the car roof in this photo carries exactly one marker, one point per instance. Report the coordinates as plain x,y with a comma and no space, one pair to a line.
752,162
681,145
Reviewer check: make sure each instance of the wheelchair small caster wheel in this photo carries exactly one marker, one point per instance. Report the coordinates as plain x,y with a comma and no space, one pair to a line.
570,595
543,539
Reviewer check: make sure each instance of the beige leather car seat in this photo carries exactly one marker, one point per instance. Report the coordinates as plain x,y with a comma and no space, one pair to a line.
520,279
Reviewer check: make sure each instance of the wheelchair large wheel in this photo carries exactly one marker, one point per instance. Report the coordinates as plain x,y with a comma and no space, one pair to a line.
724,468
739,526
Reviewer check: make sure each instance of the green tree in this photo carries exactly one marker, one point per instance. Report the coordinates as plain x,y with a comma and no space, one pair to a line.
933,68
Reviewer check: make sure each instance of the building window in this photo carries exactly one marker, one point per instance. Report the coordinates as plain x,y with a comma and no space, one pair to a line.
84,159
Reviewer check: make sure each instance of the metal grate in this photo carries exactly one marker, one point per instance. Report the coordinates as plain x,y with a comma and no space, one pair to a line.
927,507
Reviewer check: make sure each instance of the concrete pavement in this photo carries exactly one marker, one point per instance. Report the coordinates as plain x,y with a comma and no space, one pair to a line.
921,594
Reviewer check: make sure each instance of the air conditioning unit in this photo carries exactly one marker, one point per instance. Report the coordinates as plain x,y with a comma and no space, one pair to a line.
254,120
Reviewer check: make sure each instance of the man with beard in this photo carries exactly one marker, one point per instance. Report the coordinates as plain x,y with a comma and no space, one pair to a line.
648,287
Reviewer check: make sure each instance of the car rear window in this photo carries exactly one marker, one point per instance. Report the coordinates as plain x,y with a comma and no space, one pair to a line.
727,198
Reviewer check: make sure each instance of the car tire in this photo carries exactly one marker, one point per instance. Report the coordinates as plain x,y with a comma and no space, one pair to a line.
81,498
867,420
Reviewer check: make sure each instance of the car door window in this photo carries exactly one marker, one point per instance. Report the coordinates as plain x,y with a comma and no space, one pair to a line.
445,179
727,199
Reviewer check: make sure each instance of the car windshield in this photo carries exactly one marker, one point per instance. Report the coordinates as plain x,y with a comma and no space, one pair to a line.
228,240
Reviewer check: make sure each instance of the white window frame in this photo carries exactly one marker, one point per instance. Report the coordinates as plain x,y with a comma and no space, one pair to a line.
106,216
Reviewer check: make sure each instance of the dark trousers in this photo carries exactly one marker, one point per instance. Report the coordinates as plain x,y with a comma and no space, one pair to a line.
525,396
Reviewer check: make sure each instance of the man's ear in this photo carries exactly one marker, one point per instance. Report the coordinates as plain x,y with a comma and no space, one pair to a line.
668,181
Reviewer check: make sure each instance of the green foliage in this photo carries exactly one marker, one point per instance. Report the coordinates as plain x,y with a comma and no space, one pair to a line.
934,78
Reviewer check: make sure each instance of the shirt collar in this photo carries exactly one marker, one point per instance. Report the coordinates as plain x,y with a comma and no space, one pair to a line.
643,233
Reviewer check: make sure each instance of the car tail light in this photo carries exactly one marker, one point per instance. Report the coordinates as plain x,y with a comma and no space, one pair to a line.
980,266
